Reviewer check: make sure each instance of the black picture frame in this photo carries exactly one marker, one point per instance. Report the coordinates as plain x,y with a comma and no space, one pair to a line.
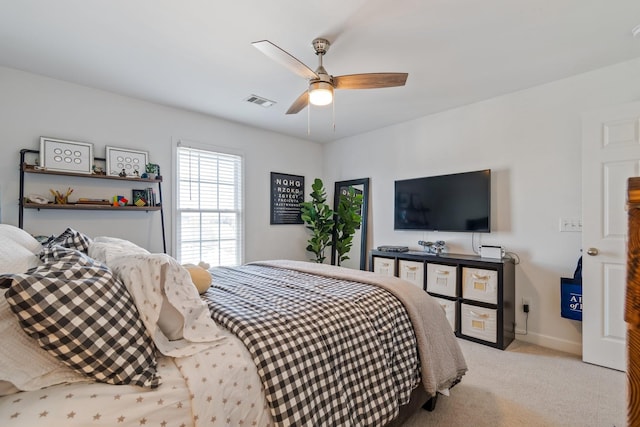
139,195
287,192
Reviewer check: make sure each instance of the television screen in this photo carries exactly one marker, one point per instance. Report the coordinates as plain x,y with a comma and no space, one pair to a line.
456,202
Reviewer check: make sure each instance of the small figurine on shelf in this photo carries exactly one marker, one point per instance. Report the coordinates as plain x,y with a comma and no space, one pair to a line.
123,174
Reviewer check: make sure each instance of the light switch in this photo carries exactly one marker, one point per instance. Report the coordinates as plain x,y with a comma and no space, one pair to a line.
570,224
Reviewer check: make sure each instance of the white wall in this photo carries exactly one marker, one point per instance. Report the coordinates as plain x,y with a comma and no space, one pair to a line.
32,106
531,140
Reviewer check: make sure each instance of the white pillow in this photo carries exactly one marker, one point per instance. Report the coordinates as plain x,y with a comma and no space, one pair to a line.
20,237
118,242
175,316
24,363
14,258
106,249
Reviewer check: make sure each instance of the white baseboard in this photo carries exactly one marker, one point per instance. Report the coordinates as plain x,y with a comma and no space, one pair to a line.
551,342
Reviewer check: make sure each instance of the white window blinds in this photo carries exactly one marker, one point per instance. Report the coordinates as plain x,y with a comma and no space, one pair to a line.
209,207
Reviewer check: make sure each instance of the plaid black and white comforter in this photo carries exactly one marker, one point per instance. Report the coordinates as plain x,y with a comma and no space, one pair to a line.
329,351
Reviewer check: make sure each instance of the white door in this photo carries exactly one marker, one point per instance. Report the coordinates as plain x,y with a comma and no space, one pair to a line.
610,155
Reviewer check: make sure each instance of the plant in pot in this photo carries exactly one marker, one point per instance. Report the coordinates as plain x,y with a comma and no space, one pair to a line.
151,170
347,221
318,217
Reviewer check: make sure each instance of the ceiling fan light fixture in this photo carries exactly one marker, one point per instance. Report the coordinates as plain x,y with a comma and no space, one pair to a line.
320,93
321,83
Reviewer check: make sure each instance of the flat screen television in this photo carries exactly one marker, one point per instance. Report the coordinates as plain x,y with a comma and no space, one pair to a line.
458,202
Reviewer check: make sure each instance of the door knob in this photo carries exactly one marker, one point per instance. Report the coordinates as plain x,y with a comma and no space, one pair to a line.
592,251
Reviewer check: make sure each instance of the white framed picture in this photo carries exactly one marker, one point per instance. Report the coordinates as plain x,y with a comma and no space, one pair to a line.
125,162
66,156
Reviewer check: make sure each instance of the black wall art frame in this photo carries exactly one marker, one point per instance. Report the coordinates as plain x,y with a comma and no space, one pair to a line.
287,192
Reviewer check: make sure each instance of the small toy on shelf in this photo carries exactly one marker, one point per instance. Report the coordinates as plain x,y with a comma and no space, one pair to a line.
120,201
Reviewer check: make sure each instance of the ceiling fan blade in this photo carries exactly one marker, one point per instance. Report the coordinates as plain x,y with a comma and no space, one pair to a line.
299,104
370,80
284,58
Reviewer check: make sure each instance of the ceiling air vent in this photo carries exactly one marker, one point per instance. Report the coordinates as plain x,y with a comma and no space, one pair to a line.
263,102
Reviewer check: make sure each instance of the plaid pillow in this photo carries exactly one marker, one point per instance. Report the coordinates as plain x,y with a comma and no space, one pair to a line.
72,239
77,311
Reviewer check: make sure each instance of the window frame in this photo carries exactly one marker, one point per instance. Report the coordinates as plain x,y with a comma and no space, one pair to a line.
176,224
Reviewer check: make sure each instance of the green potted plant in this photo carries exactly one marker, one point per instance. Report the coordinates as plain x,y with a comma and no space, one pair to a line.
347,221
151,169
318,217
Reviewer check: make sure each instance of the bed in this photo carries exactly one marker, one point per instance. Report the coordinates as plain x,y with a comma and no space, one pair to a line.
98,331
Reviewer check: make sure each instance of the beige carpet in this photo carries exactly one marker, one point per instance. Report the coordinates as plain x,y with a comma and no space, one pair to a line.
528,385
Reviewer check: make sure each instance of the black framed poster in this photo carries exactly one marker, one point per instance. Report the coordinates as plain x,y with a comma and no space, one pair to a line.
287,192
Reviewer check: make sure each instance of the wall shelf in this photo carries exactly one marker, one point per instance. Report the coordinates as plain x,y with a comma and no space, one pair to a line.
26,168
90,207
32,170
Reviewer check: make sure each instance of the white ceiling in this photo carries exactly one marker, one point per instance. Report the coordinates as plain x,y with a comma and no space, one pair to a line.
197,54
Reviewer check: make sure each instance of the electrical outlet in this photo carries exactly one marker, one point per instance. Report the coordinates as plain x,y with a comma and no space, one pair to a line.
526,305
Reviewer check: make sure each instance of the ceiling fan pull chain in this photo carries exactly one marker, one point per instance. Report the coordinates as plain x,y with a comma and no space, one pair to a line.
308,118
334,114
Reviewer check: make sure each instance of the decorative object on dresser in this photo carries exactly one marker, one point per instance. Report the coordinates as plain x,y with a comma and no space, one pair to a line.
438,247
478,294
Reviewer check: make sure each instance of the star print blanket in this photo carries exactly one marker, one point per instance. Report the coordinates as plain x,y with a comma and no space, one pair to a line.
219,387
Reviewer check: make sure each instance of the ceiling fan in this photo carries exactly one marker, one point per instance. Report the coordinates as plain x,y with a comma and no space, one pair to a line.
321,84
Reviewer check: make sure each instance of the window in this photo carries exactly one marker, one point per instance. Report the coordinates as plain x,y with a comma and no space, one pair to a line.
209,207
